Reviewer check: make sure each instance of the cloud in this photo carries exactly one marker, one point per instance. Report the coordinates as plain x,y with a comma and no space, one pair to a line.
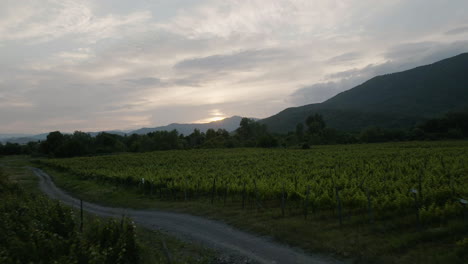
242,61
316,93
349,56
456,31
291,20
49,20
116,64
398,58
145,81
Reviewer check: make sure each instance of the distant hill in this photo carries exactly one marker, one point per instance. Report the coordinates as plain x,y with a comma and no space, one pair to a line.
397,100
230,124
4,136
23,139
40,137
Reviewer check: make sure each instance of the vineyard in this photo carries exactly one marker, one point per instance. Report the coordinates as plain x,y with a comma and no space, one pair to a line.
424,182
34,229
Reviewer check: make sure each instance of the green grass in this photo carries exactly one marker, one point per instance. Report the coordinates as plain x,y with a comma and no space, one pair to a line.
155,246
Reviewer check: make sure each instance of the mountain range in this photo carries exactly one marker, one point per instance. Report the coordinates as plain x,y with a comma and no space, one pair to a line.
230,124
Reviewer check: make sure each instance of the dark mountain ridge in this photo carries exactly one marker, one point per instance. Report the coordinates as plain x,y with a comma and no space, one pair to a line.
397,100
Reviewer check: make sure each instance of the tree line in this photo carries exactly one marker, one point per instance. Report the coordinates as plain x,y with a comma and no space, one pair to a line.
57,144
313,131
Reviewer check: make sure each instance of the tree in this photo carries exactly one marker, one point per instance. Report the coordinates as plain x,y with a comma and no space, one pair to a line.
196,138
372,135
12,149
300,131
210,134
108,143
315,123
52,143
245,130
222,133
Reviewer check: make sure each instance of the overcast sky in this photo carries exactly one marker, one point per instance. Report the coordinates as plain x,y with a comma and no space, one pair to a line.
114,64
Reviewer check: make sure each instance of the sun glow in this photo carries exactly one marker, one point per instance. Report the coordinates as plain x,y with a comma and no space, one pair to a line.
215,115
215,118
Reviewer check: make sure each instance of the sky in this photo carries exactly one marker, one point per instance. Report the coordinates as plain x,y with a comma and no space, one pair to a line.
113,64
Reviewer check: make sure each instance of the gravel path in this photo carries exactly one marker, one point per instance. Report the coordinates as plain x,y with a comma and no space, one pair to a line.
211,233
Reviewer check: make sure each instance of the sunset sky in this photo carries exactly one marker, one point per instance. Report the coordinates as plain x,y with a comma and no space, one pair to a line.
108,64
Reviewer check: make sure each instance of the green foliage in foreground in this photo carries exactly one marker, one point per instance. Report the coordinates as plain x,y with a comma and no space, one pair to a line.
34,229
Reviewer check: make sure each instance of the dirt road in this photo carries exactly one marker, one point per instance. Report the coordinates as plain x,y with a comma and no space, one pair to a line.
211,233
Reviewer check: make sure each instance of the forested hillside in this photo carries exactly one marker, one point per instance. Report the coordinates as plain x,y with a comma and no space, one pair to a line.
397,100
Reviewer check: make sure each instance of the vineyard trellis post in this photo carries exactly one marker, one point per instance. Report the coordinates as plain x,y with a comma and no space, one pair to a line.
420,194
198,189
257,203
306,202
160,188
213,190
416,206
185,189
465,212
173,194
283,200
295,183
243,196
447,174
340,209
369,207
225,192
167,254
81,216
338,199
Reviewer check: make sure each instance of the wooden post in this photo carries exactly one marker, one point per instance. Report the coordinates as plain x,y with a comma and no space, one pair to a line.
340,209
81,216
213,190
197,191
185,189
420,186
465,212
173,194
369,207
256,194
295,183
166,251
306,203
283,201
160,191
225,192
416,207
243,197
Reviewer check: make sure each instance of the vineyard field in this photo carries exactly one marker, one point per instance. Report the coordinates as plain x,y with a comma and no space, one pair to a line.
375,180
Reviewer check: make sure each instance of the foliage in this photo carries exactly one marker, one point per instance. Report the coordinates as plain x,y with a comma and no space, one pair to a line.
383,173
249,134
34,229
